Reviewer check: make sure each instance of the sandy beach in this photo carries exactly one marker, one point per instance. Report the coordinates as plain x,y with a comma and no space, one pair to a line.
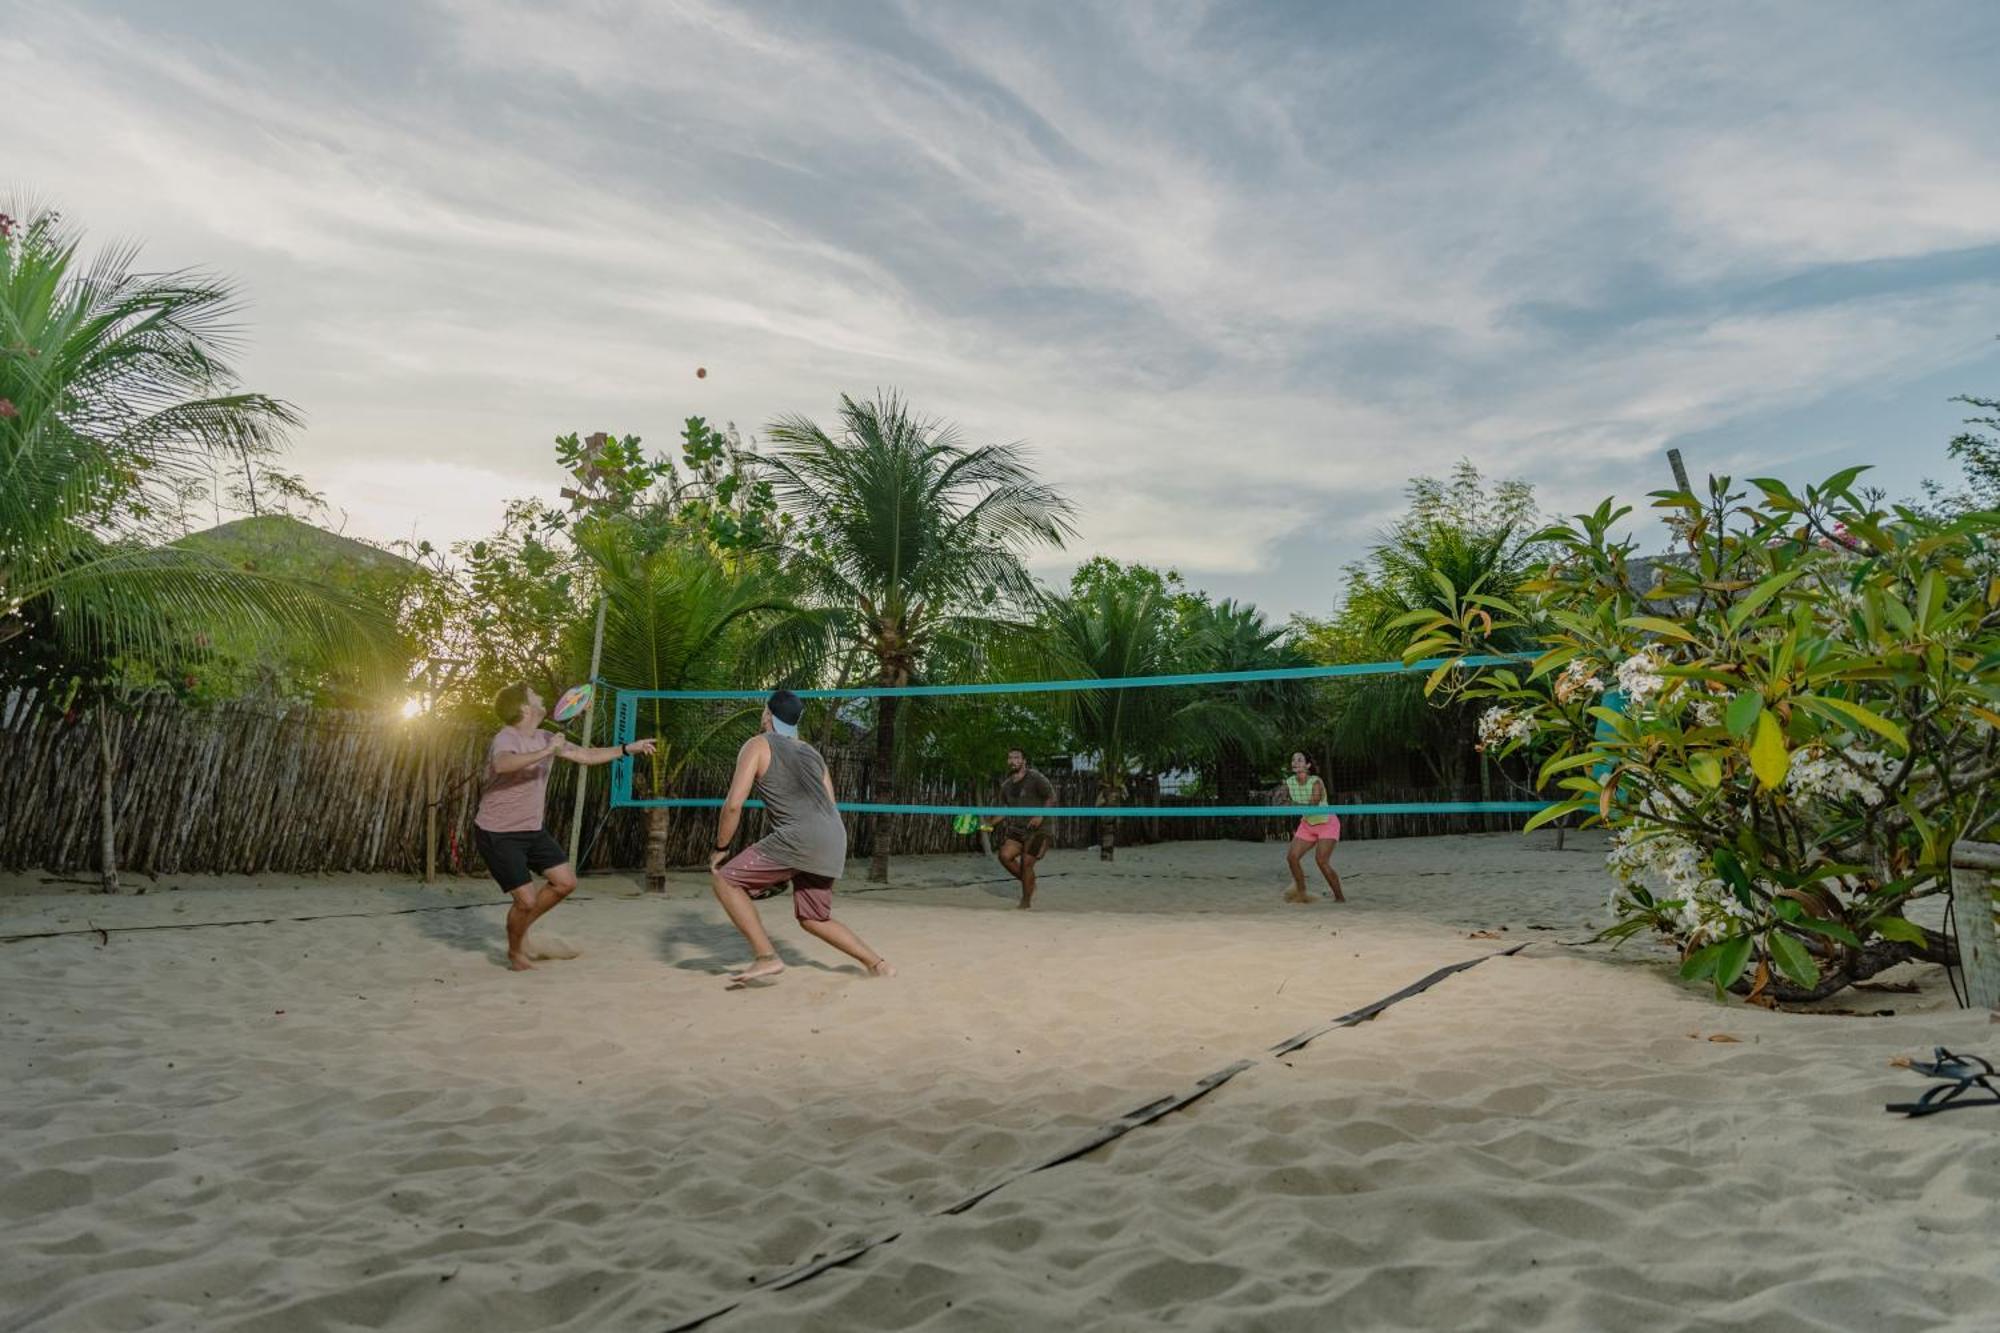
365,1121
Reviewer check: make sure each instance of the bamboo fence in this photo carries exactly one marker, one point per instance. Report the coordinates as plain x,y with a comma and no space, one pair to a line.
240,790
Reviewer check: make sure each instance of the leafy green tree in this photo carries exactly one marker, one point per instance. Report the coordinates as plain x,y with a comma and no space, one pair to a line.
1121,628
914,545
115,391
680,617
1785,729
1460,537
1976,450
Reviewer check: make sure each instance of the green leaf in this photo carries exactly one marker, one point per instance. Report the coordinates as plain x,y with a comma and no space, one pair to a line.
1769,759
1754,600
1552,659
1833,930
1707,770
1436,678
1564,763
1555,812
1792,959
1730,868
1896,928
1658,626
1729,964
1743,712
1422,616
1701,963
1860,716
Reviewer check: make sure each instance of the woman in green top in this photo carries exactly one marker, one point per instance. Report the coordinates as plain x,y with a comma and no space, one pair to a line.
1319,834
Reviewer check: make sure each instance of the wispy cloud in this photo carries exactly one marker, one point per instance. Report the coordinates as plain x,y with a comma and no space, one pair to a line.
1234,271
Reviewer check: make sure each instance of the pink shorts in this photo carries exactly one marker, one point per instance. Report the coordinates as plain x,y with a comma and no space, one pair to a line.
1327,832
812,895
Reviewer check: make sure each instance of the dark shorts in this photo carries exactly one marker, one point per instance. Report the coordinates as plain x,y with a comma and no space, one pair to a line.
515,859
1034,841
751,870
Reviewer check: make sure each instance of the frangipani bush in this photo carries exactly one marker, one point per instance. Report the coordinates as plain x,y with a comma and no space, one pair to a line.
1784,725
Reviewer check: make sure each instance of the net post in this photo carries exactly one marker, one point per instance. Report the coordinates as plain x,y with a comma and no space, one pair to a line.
1972,870
627,724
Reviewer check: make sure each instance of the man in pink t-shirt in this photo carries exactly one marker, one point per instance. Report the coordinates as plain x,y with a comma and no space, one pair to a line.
510,834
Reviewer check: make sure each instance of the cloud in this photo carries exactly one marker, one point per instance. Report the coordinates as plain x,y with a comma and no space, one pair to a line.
1234,272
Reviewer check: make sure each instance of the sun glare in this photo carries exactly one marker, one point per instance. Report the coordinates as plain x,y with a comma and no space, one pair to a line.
412,706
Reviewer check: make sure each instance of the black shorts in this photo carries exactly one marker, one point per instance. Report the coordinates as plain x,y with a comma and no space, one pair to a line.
515,859
1034,841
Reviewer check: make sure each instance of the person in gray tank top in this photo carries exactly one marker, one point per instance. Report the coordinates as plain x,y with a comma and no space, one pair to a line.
806,842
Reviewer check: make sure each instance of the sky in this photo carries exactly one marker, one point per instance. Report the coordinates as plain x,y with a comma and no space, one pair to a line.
1232,272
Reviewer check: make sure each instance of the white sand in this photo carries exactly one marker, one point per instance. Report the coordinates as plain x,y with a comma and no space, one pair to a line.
365,1122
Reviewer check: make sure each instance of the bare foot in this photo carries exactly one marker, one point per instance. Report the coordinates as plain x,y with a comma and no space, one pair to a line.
1297,896
1027,900
762,969
882,968
518,962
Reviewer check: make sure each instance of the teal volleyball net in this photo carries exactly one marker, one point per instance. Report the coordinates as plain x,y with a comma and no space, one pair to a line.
1209,745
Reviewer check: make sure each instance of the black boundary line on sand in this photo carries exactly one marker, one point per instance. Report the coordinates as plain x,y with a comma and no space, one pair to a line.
1109,1132
253,921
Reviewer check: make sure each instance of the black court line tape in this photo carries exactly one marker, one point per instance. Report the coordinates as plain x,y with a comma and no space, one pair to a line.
1109,1132
252,921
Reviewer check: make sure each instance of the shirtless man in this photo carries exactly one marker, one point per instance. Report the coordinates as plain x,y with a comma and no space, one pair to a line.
510,834
806,842
1023,843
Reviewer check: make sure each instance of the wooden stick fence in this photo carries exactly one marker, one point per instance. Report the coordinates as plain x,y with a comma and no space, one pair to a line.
242,789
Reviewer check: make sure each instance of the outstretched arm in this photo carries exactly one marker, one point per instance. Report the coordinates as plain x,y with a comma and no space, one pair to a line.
750,761
602,754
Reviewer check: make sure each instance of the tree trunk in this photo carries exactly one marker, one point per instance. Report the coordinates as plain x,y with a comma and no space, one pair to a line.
107,757
656,851
885,786
1852,965
1107,828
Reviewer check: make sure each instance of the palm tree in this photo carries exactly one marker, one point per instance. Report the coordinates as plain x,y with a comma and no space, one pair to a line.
114,388
1117,631
1389,714
913,542
679,617
1235,636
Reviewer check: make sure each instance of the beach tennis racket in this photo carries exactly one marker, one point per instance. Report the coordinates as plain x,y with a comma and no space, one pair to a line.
965,824
574,700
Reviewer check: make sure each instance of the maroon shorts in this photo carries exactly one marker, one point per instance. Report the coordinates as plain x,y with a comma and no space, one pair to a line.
812,895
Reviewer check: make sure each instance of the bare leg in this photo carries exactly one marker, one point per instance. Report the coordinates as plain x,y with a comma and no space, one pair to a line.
561,883
849,943
1294,857
1014,860
1323,858
520,915
743,915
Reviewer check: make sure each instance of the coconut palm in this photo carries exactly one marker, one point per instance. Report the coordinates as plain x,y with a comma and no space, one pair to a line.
682,617
1235,636
913,543
1409,571
1117,631
114,386
114,389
